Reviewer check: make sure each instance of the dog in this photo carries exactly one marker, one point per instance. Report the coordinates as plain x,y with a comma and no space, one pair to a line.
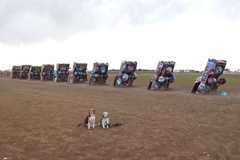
90,119
104,121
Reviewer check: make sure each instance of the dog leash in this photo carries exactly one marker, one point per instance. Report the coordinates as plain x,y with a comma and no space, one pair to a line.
115,125
112,125
85,122
81,124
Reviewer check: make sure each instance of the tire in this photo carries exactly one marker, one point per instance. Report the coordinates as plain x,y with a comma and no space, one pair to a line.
104,81
149,86
114,82
195,87
167,84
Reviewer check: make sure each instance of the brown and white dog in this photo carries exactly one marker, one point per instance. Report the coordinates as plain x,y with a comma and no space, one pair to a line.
90,120
104,121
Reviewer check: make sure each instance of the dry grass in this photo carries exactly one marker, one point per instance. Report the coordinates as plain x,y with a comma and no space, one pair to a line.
39,120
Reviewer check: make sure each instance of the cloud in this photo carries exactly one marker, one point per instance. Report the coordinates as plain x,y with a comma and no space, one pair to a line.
28,22
227,9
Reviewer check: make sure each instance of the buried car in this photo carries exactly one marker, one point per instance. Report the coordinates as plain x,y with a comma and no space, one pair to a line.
34,73
163,75
15,71
209,80
127,74
47,72
24,71
62,72
78,74
99,73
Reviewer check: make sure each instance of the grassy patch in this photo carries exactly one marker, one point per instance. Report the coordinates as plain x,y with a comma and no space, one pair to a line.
232,79
235,150
186,77
20,126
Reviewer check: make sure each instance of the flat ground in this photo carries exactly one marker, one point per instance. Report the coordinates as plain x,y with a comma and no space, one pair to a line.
38,120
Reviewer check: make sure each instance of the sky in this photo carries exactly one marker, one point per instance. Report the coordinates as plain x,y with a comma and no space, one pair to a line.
188,32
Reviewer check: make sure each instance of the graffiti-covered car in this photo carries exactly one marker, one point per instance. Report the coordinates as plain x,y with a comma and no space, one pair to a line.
34,73
99,73
209,80
24,71
62,72
127,74
15,71
78,74
163,75
47,72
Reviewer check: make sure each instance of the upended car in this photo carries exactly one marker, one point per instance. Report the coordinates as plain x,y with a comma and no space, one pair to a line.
78,74
61,73
209,80
15,71
47,72
163,75
127,74
24,71
99,73
34,73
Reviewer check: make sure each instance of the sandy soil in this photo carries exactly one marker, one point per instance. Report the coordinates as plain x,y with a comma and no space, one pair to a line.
38,120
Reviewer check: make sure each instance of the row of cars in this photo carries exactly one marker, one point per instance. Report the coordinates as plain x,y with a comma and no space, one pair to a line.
63,72
78,73
163,75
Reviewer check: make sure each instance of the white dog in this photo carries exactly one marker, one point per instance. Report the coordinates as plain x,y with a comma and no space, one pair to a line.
104,120
91,118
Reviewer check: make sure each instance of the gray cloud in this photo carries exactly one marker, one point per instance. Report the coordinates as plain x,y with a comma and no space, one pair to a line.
33,21
27,21
229,9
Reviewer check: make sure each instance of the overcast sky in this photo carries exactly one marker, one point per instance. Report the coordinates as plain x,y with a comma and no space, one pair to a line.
147,31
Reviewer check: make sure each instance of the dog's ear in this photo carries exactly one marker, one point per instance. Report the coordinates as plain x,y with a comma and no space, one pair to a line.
107,115
89,111
94,112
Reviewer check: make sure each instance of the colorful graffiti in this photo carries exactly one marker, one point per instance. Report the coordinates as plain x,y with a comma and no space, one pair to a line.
61,73
24,71
163,75
34,73
209,80
47,72
127,74
15,71
99,73
78,74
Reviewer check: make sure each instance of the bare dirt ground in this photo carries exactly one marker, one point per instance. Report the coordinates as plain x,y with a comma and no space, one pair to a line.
38,120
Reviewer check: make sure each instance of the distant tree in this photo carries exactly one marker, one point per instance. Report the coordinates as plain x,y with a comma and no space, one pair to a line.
227,69
114,70
5,71
237,70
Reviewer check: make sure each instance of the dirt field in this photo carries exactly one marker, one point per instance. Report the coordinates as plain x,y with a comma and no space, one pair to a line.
38,120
